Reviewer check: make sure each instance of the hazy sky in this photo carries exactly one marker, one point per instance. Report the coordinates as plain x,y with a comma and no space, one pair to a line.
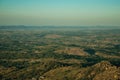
60,12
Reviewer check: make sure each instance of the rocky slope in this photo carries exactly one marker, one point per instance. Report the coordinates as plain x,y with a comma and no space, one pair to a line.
60,70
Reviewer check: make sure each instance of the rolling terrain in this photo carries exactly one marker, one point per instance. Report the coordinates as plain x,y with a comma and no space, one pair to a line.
59,53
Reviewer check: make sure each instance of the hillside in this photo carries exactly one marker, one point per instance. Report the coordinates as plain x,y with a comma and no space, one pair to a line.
59,53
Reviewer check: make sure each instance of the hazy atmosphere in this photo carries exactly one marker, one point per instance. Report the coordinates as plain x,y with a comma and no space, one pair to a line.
60,12
59,39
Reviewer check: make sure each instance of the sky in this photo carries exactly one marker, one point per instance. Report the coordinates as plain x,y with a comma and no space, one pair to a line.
60,12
